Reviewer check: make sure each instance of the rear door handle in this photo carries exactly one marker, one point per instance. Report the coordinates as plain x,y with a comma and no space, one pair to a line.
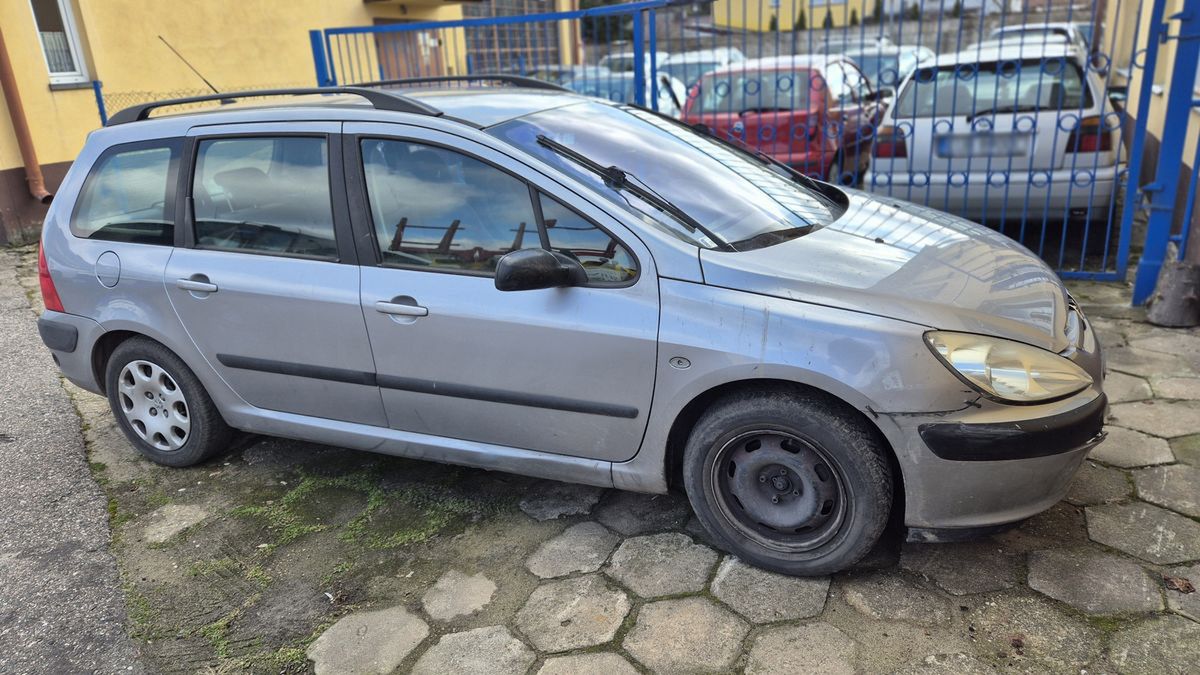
196,286
397,309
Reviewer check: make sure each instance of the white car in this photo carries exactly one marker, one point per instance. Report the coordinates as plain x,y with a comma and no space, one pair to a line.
1001,133
689,67
622,62
1038,33
887,67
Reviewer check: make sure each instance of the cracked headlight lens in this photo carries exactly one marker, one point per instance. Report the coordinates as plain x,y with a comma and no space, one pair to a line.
1007,370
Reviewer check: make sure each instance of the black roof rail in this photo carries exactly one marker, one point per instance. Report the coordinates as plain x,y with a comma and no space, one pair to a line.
517,80
381,100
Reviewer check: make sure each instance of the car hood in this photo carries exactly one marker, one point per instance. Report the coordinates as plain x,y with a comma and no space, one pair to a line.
895,259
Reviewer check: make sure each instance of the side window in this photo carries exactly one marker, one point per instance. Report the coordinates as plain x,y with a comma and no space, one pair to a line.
264,195
856,82
605,260
129,195
437,209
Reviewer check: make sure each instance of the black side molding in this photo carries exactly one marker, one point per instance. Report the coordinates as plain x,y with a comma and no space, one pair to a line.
57,335
1017,440
427,386
504,396
297,369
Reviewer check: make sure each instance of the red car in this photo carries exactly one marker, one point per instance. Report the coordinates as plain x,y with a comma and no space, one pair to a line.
815,113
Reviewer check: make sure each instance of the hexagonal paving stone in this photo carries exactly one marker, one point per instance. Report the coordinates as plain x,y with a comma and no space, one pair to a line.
1144,531
1095,484
1051,638
1168,644
949,664
367,642
603,663
491,649
1144,363
1121,388
1166,419
1128,448
1187,604
1177,388
1187,449
572,614
662,564
962,568
812,648
1093,582
550,499
457,594
686,635
1176,342
889,596
1176,487
763,596
580,548
1060,525
633,513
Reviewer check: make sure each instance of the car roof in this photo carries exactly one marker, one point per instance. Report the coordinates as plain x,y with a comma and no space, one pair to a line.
716,53
987,52
479,106
1053,25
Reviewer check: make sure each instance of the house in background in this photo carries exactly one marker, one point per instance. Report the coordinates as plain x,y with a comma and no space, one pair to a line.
788,15
54,49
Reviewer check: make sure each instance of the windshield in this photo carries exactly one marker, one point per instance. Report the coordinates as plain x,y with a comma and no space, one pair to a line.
754,91
1011,86
738,199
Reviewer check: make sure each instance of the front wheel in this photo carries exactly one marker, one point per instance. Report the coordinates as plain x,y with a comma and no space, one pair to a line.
789,480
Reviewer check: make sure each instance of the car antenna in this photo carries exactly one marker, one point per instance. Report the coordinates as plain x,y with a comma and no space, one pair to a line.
189,65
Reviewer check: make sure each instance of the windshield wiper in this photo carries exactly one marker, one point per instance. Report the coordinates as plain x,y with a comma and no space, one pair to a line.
618,179
1005,109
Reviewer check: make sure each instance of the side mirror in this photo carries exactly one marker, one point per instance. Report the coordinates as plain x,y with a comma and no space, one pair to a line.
532,268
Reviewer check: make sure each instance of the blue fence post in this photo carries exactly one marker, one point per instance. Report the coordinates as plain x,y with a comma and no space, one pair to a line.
652,19
639,60
97,86
317,41
1162,192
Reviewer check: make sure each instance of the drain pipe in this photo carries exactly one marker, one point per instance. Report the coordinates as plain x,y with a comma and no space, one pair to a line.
33,170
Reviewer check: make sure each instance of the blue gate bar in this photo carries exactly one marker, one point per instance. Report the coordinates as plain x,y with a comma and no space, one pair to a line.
1175,124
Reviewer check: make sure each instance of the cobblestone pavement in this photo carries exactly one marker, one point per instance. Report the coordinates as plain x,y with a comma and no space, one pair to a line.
286,556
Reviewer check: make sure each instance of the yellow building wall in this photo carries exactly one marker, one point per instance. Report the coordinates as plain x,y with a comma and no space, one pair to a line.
234,43
756,15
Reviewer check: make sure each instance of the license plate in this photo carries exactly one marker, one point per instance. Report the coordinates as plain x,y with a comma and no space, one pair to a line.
983,145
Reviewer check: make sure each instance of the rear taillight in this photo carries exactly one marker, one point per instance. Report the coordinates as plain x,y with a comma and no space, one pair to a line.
1090,136
889,144
49,293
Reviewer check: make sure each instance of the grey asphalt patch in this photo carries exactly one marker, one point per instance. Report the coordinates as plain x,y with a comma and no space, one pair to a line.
63,609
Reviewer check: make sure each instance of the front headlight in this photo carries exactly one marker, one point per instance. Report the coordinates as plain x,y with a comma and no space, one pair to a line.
1007,370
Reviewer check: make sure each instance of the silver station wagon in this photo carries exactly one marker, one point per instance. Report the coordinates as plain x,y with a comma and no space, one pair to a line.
501,274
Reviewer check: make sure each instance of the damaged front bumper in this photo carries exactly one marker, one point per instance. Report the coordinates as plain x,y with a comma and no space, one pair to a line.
976,470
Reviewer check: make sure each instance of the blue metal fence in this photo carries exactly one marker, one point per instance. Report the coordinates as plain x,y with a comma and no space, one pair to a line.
1016,118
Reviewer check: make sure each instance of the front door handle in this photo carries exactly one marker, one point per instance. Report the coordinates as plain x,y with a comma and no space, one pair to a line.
196,285
398,309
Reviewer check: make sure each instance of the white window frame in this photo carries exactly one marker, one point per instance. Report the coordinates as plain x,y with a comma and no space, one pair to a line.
66,11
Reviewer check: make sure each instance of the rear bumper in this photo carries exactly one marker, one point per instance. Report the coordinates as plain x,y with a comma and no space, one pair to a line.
1021,195
71,339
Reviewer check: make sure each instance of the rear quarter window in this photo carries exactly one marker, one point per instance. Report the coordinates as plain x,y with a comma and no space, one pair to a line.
129,195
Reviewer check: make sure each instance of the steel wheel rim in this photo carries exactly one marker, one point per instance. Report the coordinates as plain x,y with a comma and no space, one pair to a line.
154,405
810,502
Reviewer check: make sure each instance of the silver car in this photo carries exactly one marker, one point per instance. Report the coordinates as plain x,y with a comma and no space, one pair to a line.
1002,132
527,280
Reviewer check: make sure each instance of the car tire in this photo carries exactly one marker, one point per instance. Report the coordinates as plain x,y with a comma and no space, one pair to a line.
161,405
789,480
